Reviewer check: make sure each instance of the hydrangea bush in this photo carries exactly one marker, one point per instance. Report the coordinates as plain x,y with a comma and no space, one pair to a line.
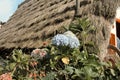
66,59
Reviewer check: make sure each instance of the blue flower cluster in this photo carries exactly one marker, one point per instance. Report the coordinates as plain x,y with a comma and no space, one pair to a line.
66,40
73,42
60,40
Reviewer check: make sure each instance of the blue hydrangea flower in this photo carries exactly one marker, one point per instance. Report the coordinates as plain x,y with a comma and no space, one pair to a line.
60,40
67,39
73,42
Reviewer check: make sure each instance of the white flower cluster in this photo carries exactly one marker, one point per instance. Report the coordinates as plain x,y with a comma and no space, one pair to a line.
66,39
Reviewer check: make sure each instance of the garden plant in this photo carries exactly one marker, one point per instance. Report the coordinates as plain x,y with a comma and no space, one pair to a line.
65,58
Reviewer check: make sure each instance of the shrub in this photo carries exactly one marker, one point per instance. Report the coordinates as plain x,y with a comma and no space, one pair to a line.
55,62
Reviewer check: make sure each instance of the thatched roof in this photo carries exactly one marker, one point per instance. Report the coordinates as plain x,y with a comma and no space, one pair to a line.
37,20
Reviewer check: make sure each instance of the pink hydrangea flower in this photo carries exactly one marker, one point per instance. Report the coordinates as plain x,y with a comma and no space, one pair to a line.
6,76
38,53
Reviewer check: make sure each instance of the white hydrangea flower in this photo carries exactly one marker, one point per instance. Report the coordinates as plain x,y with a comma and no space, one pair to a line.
70,34
60,40
73,40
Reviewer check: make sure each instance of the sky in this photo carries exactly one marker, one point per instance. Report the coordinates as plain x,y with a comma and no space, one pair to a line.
7,8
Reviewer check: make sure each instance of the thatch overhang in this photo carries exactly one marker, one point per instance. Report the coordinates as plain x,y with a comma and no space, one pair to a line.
36,21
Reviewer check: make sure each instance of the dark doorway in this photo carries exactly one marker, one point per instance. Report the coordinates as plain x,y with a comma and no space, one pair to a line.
118,33
118,29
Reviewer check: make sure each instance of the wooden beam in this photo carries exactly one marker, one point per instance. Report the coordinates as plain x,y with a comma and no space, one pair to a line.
77,7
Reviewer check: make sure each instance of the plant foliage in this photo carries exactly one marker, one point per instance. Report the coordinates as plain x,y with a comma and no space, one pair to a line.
62,63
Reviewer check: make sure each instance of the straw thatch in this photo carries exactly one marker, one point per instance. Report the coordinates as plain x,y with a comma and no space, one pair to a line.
37,20
34,21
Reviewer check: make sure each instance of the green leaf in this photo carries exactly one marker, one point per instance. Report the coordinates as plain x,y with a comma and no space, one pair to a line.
69,69
14,58
12,66
90,73
1,68
112,72
74,76
50,76
78,72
